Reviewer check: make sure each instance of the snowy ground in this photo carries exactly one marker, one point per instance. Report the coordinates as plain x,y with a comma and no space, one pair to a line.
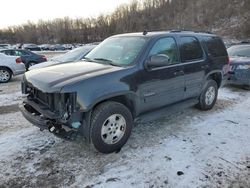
189,149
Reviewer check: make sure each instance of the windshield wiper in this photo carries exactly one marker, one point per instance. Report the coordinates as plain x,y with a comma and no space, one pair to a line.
110,62
88,59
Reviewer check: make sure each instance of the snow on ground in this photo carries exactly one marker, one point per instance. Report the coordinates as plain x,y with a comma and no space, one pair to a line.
9,99
188,149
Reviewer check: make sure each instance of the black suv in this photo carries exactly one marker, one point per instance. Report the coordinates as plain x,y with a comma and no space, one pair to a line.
127,78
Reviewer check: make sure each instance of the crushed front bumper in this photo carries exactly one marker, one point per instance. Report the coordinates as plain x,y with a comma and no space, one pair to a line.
47,120
34,118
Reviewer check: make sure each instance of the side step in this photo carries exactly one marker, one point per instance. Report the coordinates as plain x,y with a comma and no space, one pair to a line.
169,110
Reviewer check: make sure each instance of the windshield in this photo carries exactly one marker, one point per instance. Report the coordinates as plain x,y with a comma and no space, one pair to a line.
117,50
243,51
73,55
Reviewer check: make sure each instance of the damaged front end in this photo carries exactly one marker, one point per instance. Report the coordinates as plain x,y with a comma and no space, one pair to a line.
57,112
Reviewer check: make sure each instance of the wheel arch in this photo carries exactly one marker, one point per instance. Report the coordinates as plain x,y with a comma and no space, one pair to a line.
8,69
216,76
126,99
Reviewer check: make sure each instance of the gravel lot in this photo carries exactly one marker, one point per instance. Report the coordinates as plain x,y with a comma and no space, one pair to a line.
189,149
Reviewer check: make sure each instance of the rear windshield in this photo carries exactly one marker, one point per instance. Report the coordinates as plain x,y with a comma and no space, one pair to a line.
215,46
242,51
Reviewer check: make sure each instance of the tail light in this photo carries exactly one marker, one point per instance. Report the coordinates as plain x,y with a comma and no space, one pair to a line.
18,60
228,60
44,57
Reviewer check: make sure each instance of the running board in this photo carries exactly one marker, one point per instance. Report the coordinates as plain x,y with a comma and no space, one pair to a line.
163,112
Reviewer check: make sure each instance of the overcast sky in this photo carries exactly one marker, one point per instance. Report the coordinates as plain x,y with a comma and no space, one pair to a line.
16,12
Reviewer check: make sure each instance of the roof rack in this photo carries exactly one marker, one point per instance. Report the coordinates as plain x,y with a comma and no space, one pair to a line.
183,30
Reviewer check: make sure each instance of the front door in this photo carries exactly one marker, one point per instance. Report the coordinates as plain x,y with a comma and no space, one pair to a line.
164,85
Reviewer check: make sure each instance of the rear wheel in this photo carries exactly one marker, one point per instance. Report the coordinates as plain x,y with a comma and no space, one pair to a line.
5,75
208,96
111,126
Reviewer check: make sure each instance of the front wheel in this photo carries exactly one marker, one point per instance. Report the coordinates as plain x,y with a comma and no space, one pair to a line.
208,96
111,126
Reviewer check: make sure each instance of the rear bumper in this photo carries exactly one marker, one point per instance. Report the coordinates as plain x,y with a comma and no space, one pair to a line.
239,77
19,69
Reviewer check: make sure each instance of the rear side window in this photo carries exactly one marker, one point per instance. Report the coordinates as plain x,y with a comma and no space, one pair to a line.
190,49
215,46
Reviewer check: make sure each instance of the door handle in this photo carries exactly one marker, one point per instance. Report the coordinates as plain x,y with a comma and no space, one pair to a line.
149,94
179,73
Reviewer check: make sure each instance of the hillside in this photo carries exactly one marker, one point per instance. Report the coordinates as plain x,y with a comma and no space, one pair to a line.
228,18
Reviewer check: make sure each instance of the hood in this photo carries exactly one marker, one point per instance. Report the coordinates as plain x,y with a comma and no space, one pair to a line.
53,78
239,60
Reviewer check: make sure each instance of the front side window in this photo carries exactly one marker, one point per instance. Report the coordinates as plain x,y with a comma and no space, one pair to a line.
18,53
166,46
190,49
118,51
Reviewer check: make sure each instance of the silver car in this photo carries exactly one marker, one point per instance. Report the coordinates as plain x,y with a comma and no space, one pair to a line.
10,66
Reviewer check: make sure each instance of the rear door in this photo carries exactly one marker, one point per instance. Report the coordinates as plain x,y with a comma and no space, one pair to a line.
195,65
164,85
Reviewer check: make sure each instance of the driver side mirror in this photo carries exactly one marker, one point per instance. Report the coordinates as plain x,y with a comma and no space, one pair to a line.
158,60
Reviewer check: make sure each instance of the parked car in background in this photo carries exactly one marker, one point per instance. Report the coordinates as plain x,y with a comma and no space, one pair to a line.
45,46
5,46
10,66
127,78
31,47
28,58
239,65
71,56
57,47
68,46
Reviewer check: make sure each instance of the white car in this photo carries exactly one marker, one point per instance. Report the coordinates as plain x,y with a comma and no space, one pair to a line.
10,66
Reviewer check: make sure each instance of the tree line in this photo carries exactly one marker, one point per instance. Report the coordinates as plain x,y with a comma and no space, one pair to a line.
227,18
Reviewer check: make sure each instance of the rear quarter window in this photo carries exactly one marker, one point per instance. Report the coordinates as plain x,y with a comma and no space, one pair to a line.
190,49
215,46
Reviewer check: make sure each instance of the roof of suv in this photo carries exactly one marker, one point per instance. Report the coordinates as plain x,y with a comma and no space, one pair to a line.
173,32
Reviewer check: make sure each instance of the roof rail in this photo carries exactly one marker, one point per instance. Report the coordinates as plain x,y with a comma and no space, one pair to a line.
183,30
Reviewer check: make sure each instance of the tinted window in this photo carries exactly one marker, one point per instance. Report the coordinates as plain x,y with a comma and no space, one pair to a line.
215,46
190,49
9,52
166,46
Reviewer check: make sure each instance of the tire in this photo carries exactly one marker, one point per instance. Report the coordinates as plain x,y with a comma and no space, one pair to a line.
5,75
246,87
111,126
208,96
